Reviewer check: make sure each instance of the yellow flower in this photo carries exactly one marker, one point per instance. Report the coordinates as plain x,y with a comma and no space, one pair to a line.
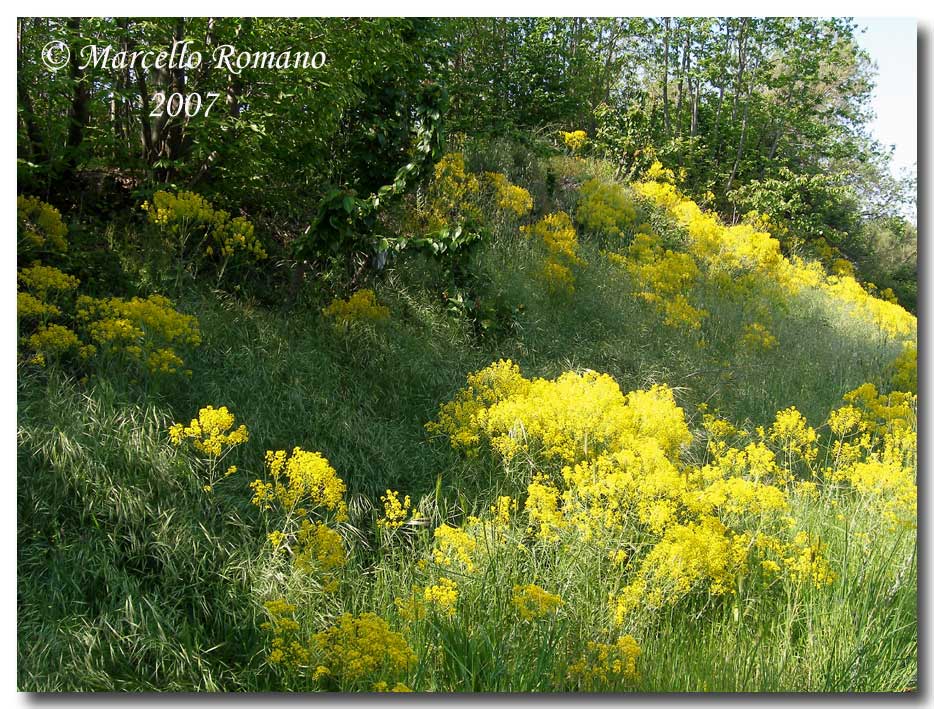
534,602
359,307
359,647
395,512
443,596
212,433
604,666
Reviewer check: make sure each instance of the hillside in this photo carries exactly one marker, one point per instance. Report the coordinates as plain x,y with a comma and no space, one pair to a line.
592,439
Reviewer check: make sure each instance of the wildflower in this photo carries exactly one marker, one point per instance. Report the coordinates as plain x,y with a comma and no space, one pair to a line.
509,197
443,596
605,208
364,646
395,512
606,665
43,281
359,307
212,433
574,140
454,546
534,602
39,227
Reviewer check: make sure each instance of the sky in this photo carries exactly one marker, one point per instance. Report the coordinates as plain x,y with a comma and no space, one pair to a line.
893,45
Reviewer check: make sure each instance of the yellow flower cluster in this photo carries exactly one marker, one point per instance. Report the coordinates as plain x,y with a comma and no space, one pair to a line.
452,194
574,140
876,451
533,602
300,477
361,648
145,331
556,232
184,214
664,277
287,650
605,208
39,227
905,369
443,596
28,307
454,547
569,419
383,686
606,468
606,666
300,484
359,307
510,198
747,261
757,337
319,546
43,281
212,433
53,342
395,511
557,277
703,553
794,437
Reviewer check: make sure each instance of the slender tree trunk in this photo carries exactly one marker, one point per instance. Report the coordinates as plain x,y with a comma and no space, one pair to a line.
80,114
665,80
37,150
739,148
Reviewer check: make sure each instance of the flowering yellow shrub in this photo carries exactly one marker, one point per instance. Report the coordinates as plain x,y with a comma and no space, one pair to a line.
574,140
510,198
876,451
45,281
569,419
53,342
605,208
558,278
28,307
187,215
756,337
905,369
732,254
145,331
703,553
212,433
606,468
533,602
443,596
288,650
664,278
395,511
318,546
454,547
299,485
606,666
557,233
359,307
300,479
361,648
452,194
39,228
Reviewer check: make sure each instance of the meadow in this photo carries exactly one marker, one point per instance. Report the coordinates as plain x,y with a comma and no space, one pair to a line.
612,444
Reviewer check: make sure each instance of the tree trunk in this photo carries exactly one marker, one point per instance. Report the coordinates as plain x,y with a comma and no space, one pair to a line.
80,108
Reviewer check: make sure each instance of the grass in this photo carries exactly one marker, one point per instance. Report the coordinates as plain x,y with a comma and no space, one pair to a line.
132,577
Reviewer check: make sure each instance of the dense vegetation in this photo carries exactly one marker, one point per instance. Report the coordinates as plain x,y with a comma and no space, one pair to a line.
493,355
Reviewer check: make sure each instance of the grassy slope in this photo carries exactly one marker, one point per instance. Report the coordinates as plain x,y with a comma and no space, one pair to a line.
132,577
